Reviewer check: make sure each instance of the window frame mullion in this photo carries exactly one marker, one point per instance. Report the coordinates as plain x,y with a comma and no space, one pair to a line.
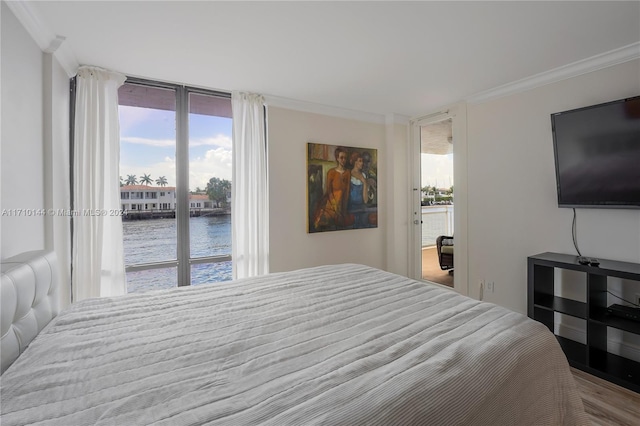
182,186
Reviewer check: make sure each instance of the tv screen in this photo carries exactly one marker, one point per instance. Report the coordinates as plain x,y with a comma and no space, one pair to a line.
597,155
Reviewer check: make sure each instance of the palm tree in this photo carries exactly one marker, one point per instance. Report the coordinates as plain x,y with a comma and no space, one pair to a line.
146,179
131,180
121,182
161,181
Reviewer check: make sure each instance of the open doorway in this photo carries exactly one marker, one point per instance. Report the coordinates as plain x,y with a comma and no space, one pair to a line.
458,144
437,202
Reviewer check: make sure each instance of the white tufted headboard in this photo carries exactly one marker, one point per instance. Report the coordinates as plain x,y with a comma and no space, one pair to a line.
29,298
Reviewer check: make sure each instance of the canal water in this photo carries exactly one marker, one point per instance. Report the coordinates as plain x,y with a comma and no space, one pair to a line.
155,240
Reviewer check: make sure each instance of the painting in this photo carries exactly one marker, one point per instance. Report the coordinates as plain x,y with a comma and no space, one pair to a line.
342,187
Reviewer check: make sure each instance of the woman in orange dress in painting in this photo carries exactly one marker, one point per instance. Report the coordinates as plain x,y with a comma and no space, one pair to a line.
333,208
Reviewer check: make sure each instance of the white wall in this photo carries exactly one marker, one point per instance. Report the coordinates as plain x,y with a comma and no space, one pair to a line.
34,149
56,167
397,244
22,138
291,247
512,204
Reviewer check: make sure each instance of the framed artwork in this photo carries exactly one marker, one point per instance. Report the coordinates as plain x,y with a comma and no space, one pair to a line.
342,187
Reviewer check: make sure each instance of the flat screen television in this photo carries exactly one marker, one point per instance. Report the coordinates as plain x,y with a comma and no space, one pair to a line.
597,155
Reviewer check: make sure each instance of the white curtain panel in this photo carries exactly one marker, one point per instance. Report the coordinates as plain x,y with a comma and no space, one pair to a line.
98,259
250,189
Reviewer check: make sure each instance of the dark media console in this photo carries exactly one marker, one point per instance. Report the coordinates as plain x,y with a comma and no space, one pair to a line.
592,357
626,312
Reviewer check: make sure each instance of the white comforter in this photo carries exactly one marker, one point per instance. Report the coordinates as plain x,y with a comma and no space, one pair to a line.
336,345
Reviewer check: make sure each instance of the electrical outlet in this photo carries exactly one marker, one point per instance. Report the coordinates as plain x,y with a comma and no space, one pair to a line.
490,286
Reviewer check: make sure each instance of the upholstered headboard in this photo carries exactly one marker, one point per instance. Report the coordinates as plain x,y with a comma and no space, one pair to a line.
29,297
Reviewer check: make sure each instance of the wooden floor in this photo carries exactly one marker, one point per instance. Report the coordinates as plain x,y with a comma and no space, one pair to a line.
606,403
431,268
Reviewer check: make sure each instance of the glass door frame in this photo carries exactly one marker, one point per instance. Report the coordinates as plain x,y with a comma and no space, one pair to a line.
458,115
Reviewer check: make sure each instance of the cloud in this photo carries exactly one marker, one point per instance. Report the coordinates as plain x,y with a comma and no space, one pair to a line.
220,140
166,168
437,170
147,141
215,163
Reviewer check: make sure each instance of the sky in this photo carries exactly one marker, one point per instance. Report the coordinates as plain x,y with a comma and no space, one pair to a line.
436,170
147,145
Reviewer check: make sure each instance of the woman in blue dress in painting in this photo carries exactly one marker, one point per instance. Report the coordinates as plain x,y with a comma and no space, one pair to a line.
358,191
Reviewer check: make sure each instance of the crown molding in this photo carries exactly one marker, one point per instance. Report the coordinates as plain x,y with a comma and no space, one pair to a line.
397,119
28,15
597,62
332,111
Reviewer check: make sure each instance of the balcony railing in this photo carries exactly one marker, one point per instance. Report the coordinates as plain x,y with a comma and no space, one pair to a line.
436,221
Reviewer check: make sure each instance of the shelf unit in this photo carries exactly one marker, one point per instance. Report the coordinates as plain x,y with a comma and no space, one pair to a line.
593,356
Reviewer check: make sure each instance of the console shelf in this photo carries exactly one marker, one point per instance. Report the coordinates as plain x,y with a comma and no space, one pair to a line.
593,356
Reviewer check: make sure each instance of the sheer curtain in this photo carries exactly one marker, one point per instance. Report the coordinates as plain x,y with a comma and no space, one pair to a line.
250,205
97,259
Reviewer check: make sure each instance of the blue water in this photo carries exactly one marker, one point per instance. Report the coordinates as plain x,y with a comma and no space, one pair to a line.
155,240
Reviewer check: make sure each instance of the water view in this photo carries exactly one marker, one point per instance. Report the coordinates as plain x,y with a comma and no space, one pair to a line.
149,115
155,240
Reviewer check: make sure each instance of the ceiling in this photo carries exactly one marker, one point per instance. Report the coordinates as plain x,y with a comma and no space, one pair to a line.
437,138
407,58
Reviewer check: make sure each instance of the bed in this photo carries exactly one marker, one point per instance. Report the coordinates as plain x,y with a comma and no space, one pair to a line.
335,345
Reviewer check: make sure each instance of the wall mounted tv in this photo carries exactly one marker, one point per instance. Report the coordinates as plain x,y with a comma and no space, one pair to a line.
597,155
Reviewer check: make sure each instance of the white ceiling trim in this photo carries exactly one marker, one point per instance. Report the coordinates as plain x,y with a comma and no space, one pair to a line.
332,111
604,60
46,40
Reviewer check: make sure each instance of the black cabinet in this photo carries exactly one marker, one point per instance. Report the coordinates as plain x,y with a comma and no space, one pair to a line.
592,357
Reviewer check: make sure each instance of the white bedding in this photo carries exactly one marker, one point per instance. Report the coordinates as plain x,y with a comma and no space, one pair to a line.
336,345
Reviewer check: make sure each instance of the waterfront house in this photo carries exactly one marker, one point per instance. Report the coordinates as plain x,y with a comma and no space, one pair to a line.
139,201
144,197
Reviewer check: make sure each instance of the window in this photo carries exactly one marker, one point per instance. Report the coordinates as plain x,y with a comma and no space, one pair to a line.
177,141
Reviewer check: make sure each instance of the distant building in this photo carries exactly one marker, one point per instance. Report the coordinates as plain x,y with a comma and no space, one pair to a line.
200,201
157,198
